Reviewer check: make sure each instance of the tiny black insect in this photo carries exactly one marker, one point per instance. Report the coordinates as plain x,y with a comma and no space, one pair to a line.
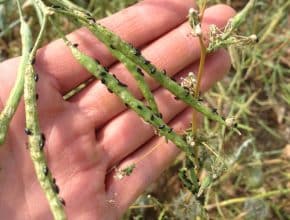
127,105
136,52
152,70
45,170
53,180
36,77
56,6
27,131
33,61
161,126
176,98
112,46
139,71
36,96
146,62
103,74
103,81
152,117
223,118
88,14
56,188
163,72
114,76
97,61
214,110
29,49
122,84
75,45
160,115
62,201
110,91
235,125
200,99
91,20
170,130
106,69
139,107
42,142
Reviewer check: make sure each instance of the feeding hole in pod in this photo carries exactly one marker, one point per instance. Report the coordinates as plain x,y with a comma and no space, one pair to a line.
27,131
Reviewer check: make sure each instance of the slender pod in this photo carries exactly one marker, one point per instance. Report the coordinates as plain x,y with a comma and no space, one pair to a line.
109,38
139,77
17,91
36,138
125,95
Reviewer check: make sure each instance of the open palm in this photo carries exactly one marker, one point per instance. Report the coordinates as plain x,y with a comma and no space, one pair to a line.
93,132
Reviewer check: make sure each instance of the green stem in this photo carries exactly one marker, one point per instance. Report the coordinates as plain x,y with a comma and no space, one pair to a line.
243,199
17,91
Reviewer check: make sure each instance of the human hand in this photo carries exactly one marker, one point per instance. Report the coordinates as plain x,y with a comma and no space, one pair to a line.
93,132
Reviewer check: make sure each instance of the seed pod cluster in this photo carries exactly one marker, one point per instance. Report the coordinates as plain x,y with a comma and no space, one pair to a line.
114,85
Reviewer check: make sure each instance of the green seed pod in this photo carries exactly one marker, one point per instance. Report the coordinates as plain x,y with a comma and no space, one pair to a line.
139,76
109,38
124,94
35,138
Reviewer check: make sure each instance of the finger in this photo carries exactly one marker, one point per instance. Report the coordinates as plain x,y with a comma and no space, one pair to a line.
123,192
127,132
138,24
174,52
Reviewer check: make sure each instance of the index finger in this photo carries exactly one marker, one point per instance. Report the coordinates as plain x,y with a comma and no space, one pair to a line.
138,24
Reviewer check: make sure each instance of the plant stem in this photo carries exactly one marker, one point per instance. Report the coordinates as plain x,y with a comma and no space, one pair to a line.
243,199
17,91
